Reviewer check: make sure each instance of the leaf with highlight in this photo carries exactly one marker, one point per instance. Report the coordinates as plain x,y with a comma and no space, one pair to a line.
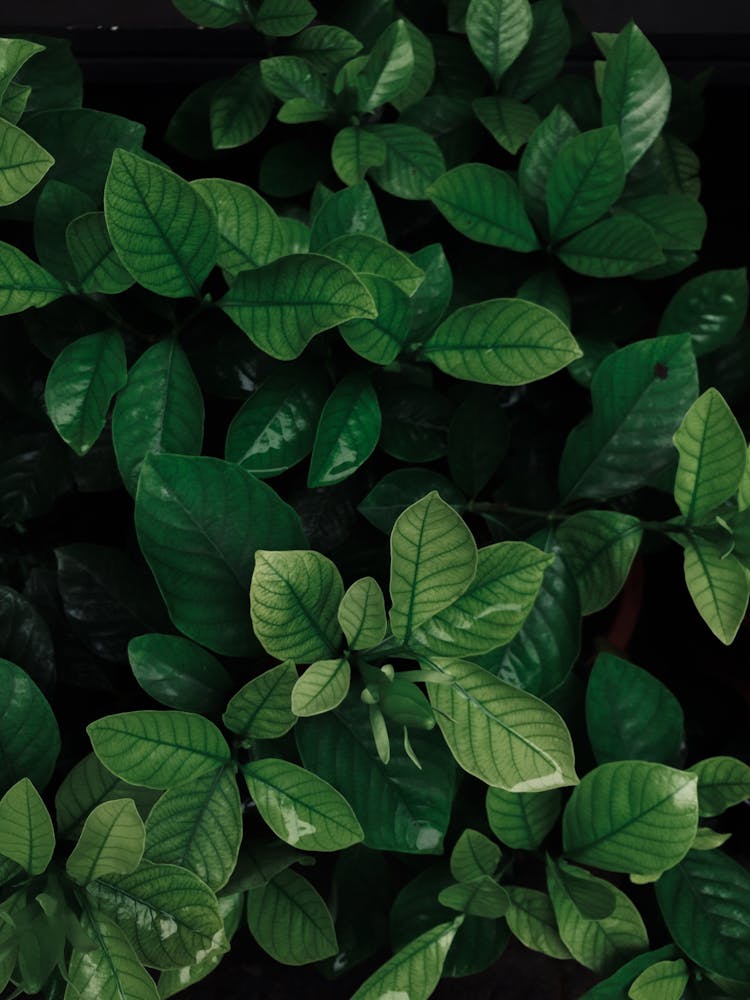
415,970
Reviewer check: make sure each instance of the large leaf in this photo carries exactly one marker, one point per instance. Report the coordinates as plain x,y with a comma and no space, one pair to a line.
522,819
493,608
498,31
178,673
199,523
80,386
111,842
250,234
290,921
26,832
504,736
615,987
58,205
718,584
86,786
705,902
415,970
640,394
97,266
501,342
23,163
261,710
158,749
711,308
677,220
388,69
361,614
163,231
483,203
23,283
283,305
586,178
599,546
300,807
612,248
29,737
368,255
347,433
632,816
111,970
712,451
433,561
168,914
722,782
635,92
294,600
399,489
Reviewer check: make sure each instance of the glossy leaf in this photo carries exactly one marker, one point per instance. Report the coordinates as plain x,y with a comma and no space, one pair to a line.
29,737
531,918
415,422
711,308
26,833
240,109
498,31
58,205
388,69
111,970
178,673
599,546
158,749
96,263
522,819
361,614
613,248
505,737
509,121
25,638
290,921
250,234
541,152
586,178
413,160
23,283
322,687
347,432
722,782
423,76
291,77
661,981
80,386
199,523
111,842
719,587
261,709
23,163
354,151
415,970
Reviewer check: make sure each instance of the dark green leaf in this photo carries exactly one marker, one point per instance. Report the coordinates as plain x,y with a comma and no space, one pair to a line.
29,737
677,220
711,308
415,423
354,151
522,819
23,163
261,709
97,266
722,782
509,121
178,673
387,71
213,13
25,638
280,18
498,31
348,431
326,46
599,546
250,234
616,247
412,161
586,178
477,440
240,109
399,489
536,163
352,210
719,586
545,52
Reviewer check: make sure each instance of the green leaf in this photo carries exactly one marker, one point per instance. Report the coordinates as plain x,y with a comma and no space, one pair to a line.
429,302
213,13
361,614
718,585
290,78
111,969
603,943
388,69
433,561
640,394
13,104
473,856
57,206
415,970
354,151
261,709
178,673
632,816
545,52
275,428
367,255
23,283
510,122
290,921
198,825
240,109
495,605
599,546
635,92
522,819
541,152
479,897
501,342
199,523
498,30
96,264
483,203
352,211
294,599
29,737
23,163
326,46
615,987
424,69
232,909
14,52
280,18
380,340
711,308
630,715
250,234
322,687
168,913
347,433
300,807
111,842
531,918
661,981
86,786
705,903
505,737
163,231
586,178
400,808
283,305
158,749
678,220
80,386
26,832
413,160
613,248
712,451
722,782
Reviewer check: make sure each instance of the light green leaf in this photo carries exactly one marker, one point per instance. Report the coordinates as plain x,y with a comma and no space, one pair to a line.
283,305
322,687
167,912
433,561
480,897
366,255
483,203
388,69
509,121
613,248
522,819
213,13
498,31
541,152
23,283
156,748
178,673
501,342
294,599
354,151
636,92
678,220
261,709
232,910
380,340
13,104
473,856
415,970
722,782
632,816
198,825
111,969
531,918
23,163
348,431
26,832
506,737
719,587
352,211
97,265
163,231
199,523
301,808
599,546
111,842
413,160
240,109
280,18
707,839
250,234
711,308
290,921
361,614
29,736
424,69
493,608
712,451
586,178
14,52
661,981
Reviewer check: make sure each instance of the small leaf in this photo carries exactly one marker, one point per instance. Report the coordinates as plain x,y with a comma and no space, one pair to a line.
586,178
321,688
361,614
522,819
531,918
613,248
380,340
290,921
661,981
23,163
473,856
111,842
498,31
178,673
480,897
250,234
719,587
722,782
326,46
14,52
94,258
599,546
388,69
26,833
354,151
261,709
240,109
23,283
544,54
290,78
415,970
